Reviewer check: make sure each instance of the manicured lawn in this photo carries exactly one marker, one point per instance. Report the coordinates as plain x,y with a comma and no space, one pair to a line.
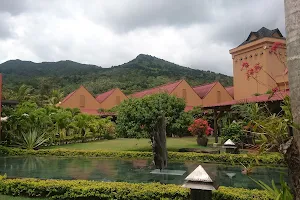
173,144
5,197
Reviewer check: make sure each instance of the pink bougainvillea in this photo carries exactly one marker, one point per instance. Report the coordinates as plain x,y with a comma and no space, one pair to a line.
200,127
275,46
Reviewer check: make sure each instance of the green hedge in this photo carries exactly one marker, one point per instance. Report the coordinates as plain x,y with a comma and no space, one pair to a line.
81,189
266,159
230,193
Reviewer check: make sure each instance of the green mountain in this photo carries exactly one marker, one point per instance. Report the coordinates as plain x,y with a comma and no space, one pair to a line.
143,72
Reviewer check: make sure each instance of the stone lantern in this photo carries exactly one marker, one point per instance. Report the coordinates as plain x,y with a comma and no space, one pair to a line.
229,146
200,184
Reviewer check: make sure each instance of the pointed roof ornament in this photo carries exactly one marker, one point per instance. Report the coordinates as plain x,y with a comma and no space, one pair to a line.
199,174
199,180
229,143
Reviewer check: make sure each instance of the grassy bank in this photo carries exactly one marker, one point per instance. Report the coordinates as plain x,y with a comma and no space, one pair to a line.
126,144
265,159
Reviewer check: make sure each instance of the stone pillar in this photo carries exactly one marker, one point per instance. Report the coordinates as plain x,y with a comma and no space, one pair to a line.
200,184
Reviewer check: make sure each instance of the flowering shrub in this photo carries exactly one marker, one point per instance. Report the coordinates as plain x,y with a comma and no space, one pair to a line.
200,127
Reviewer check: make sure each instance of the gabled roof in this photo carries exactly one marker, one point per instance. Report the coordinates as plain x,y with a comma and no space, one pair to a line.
278,96
69,96
203,90
230,90
101,97
262,33
168,88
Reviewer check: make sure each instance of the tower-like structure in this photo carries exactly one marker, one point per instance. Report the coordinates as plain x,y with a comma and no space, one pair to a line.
257,49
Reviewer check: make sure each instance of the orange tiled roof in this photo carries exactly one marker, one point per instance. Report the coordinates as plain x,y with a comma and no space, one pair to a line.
101,97
203,90
163,88
230,90
278,96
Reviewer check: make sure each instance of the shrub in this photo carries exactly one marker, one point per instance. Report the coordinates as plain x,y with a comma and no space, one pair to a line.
230,193
270,158
82,189
233,132
200,127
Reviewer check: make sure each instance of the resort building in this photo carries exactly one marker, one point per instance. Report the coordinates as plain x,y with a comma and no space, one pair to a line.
111,98
82,99
257,49
180,89
212,93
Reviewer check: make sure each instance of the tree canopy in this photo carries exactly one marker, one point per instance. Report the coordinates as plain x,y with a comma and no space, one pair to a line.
137,117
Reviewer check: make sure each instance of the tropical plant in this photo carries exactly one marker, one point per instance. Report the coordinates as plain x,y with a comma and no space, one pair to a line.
80,124
55,97
32,139
234,132
279,193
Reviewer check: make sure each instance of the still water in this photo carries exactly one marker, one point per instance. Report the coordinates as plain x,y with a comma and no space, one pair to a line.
136,171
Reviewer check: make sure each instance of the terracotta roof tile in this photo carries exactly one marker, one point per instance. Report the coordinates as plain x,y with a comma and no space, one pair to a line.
163,88
101,97
278,96
203,90
230,90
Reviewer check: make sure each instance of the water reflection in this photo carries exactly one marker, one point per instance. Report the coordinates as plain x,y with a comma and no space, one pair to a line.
129,170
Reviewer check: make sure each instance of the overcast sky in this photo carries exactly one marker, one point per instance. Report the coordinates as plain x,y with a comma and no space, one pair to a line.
192,33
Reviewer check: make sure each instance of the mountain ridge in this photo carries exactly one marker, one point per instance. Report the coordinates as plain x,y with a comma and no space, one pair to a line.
142,72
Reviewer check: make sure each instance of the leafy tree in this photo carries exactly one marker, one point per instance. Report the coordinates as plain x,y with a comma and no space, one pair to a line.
137,117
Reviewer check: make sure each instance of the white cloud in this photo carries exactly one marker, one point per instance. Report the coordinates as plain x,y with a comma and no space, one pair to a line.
194,33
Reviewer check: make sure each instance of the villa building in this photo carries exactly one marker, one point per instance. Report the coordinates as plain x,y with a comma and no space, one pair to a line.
212,93
180,89
82,99
111,98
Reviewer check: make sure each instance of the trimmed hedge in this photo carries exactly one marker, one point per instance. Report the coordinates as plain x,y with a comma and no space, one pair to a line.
81,189
266,159
230,193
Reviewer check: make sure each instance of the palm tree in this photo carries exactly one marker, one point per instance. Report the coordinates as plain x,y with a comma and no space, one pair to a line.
23,93
55,97
292,156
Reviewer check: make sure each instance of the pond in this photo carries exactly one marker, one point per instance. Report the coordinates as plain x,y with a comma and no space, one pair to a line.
135,171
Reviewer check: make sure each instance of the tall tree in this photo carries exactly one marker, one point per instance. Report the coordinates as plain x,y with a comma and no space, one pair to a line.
292,21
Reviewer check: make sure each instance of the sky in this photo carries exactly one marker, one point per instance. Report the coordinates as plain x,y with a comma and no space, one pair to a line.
191,33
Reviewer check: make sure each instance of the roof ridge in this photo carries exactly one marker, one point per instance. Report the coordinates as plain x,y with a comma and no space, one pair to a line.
179,81
206,84
112,91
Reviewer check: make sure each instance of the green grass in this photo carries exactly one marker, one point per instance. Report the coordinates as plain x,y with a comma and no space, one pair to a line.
6,197
122,144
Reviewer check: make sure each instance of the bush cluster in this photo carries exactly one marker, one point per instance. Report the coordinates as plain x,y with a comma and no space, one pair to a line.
82,189
230,193
268,159
30,126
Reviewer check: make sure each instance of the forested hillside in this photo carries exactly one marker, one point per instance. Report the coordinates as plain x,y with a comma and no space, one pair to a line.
141,73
